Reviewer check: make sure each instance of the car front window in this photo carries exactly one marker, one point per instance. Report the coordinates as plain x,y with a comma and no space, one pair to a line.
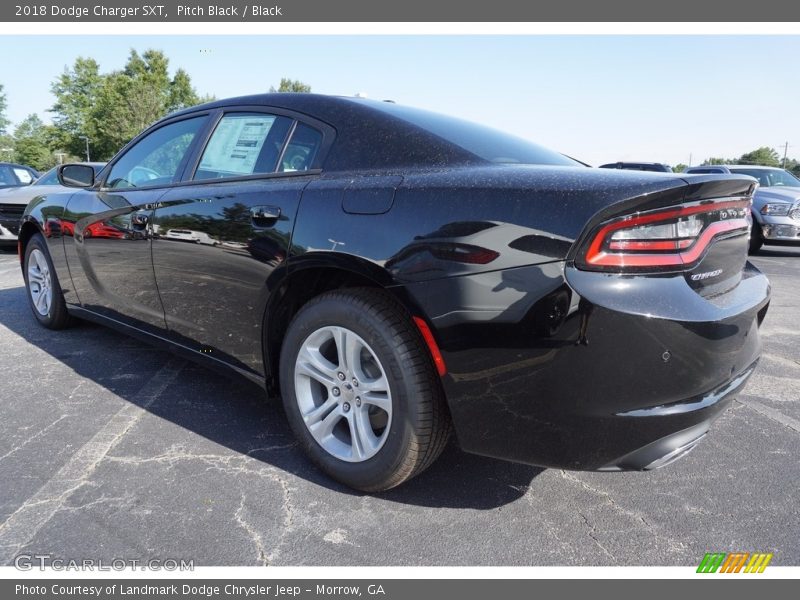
156,159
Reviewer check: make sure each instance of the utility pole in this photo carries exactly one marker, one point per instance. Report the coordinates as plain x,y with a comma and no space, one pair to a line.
785,151
86,138
690,159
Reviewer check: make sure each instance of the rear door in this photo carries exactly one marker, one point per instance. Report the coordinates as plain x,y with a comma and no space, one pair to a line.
238,204
107,229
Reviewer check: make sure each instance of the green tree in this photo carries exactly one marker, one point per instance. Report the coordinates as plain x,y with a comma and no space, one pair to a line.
76,91
112,108
31,144
6,141
793,165
133,98
765,156
678,168
291,85
4,122
717,161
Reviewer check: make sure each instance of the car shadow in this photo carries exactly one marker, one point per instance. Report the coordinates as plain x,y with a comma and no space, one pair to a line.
234,413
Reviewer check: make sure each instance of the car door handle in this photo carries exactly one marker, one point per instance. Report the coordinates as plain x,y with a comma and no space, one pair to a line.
264,216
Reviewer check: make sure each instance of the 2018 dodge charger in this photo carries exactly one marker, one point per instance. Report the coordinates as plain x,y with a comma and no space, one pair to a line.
401,274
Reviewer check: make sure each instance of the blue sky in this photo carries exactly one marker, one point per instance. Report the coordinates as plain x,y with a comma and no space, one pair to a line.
599,98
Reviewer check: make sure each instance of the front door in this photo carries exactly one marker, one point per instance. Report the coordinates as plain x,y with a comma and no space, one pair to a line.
109,254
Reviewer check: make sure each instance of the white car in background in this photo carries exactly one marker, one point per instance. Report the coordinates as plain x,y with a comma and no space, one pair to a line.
189,235
14,200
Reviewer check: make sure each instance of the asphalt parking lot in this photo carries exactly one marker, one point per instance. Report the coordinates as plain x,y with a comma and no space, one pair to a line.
112,449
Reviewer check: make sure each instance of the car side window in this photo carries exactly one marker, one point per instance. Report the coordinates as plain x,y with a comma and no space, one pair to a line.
156,159
301,150
244,144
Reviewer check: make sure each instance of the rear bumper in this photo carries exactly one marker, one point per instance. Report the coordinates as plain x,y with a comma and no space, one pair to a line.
670,448
629,379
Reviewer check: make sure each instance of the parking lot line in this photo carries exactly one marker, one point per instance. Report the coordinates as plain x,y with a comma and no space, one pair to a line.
771,413
36,511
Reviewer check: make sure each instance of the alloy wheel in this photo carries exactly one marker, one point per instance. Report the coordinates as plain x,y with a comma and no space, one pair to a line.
343,394
40,284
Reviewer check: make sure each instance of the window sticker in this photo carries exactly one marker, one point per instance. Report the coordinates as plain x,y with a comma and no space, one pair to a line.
236,144
23,175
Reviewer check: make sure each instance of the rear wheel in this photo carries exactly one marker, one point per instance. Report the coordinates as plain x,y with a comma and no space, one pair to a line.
756,237
360,390
44,291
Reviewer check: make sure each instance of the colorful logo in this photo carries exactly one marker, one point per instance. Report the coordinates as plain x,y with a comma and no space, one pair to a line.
734,562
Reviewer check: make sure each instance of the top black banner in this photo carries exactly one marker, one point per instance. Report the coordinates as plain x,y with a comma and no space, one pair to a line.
451,11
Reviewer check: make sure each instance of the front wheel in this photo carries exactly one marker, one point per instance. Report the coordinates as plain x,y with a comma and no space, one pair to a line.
44,291
360,390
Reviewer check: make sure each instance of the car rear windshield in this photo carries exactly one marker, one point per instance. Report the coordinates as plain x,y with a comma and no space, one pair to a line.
484,142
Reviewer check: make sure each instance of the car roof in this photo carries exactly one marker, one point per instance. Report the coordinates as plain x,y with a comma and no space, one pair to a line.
10,164
358,122
765,168
633,162
301,102
91,164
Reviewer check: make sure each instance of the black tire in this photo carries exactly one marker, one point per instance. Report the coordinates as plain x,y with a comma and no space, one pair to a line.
756,237
57,316
420,423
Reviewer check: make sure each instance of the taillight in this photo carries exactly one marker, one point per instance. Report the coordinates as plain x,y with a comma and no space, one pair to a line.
664,239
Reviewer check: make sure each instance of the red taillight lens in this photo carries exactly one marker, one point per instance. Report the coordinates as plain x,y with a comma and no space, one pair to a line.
669,238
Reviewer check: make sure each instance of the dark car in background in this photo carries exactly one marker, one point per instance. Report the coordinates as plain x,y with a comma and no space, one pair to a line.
776,202
639,166
398,274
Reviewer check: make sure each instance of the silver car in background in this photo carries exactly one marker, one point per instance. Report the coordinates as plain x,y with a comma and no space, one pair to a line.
776,203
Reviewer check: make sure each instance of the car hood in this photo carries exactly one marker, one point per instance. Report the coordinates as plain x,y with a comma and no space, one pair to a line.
28,193
779,194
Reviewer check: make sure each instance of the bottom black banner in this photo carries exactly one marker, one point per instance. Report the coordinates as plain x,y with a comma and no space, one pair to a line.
387,589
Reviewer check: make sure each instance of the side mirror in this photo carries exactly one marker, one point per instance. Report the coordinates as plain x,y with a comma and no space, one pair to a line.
78,176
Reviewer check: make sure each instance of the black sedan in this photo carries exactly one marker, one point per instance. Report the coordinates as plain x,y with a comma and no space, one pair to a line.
397,274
